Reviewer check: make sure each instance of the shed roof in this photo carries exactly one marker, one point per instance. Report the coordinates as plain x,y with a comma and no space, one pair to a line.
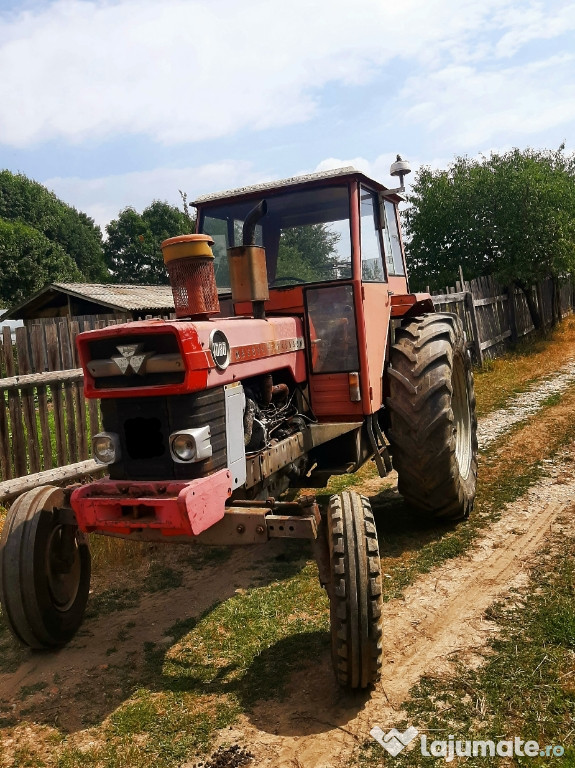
116,297
122,296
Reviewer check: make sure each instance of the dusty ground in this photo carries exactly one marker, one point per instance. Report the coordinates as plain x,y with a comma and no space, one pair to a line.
315,725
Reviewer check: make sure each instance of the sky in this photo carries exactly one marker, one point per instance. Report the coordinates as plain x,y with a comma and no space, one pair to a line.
115,103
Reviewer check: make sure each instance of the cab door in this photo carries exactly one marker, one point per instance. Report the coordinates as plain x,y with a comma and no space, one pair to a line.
375,293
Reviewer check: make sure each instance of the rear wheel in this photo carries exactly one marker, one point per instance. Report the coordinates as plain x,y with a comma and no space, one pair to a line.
356,600
432,413
44,569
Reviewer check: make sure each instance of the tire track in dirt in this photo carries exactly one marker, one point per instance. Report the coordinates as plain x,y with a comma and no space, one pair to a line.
440,615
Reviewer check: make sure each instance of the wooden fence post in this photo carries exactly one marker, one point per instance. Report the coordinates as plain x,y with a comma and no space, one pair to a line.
474,327
512,312
539,294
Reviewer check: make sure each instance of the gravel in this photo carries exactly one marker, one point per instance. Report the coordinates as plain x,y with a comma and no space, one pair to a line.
523,405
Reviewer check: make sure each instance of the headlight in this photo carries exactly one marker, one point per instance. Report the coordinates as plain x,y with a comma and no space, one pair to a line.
184,447
190,445
106,447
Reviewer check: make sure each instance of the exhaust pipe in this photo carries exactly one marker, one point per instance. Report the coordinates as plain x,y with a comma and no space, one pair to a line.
248,272
249,228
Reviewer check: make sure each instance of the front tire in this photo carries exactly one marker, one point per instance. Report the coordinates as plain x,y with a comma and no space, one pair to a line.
44,570
433,420
356,600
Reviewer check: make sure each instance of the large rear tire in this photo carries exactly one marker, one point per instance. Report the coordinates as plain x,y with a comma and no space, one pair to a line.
356,600
44,569
432,413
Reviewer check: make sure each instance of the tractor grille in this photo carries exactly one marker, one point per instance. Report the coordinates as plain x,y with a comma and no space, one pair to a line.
108,348
144,425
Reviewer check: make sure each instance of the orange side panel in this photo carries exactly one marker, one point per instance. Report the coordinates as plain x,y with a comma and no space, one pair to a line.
284,301
330,397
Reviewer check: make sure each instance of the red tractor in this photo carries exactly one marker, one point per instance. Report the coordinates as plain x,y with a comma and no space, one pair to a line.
298,352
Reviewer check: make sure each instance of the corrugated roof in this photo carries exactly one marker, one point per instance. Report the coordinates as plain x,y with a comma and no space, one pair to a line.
122,296
346,171
129,298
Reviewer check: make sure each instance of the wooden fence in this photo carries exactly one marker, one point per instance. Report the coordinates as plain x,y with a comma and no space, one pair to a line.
493,317
45,421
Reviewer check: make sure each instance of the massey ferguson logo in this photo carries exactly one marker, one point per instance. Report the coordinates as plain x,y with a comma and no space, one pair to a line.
220,349
132,358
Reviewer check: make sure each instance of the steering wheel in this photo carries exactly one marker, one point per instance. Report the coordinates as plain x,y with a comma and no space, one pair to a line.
293,278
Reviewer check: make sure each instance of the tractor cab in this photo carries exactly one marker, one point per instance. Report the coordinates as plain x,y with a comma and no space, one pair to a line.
334,256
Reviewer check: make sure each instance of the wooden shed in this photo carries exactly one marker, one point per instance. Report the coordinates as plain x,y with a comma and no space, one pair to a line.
126,302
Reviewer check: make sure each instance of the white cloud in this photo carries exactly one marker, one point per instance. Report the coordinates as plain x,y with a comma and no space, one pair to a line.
471,108
533,22
104,197
187,70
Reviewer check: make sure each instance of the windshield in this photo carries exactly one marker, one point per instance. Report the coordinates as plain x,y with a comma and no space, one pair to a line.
306,235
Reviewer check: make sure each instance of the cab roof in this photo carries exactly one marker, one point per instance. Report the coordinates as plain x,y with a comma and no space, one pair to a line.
255,190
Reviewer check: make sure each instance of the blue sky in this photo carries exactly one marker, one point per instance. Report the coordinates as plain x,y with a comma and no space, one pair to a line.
118,102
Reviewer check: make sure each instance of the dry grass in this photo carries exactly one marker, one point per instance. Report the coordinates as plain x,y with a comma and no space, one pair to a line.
551,428
530,361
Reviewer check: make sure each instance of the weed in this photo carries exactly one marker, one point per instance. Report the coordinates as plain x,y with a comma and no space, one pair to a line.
111,600
201,556
161,577
30,690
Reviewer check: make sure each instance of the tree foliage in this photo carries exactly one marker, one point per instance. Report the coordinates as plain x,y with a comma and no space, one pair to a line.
308,252
511,215
133,249
26,201
28,261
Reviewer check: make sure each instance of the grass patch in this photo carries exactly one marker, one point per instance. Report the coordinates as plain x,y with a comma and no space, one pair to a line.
247,646
526,687
12,653
201,556
161,577
530,361
110,600
30,690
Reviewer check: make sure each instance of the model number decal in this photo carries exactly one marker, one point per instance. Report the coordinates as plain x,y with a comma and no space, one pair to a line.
266,349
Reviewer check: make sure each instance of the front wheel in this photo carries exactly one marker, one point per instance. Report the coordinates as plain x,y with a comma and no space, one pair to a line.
432,416
44,569
356,600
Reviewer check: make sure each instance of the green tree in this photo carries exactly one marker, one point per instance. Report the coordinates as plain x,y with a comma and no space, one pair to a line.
511,215
28,261
27,201
133,249
308,252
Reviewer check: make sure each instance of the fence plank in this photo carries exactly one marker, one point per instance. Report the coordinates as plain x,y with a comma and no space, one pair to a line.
27,402
18,434
54,364
5,451
39,361
67,363
79,399
18,485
